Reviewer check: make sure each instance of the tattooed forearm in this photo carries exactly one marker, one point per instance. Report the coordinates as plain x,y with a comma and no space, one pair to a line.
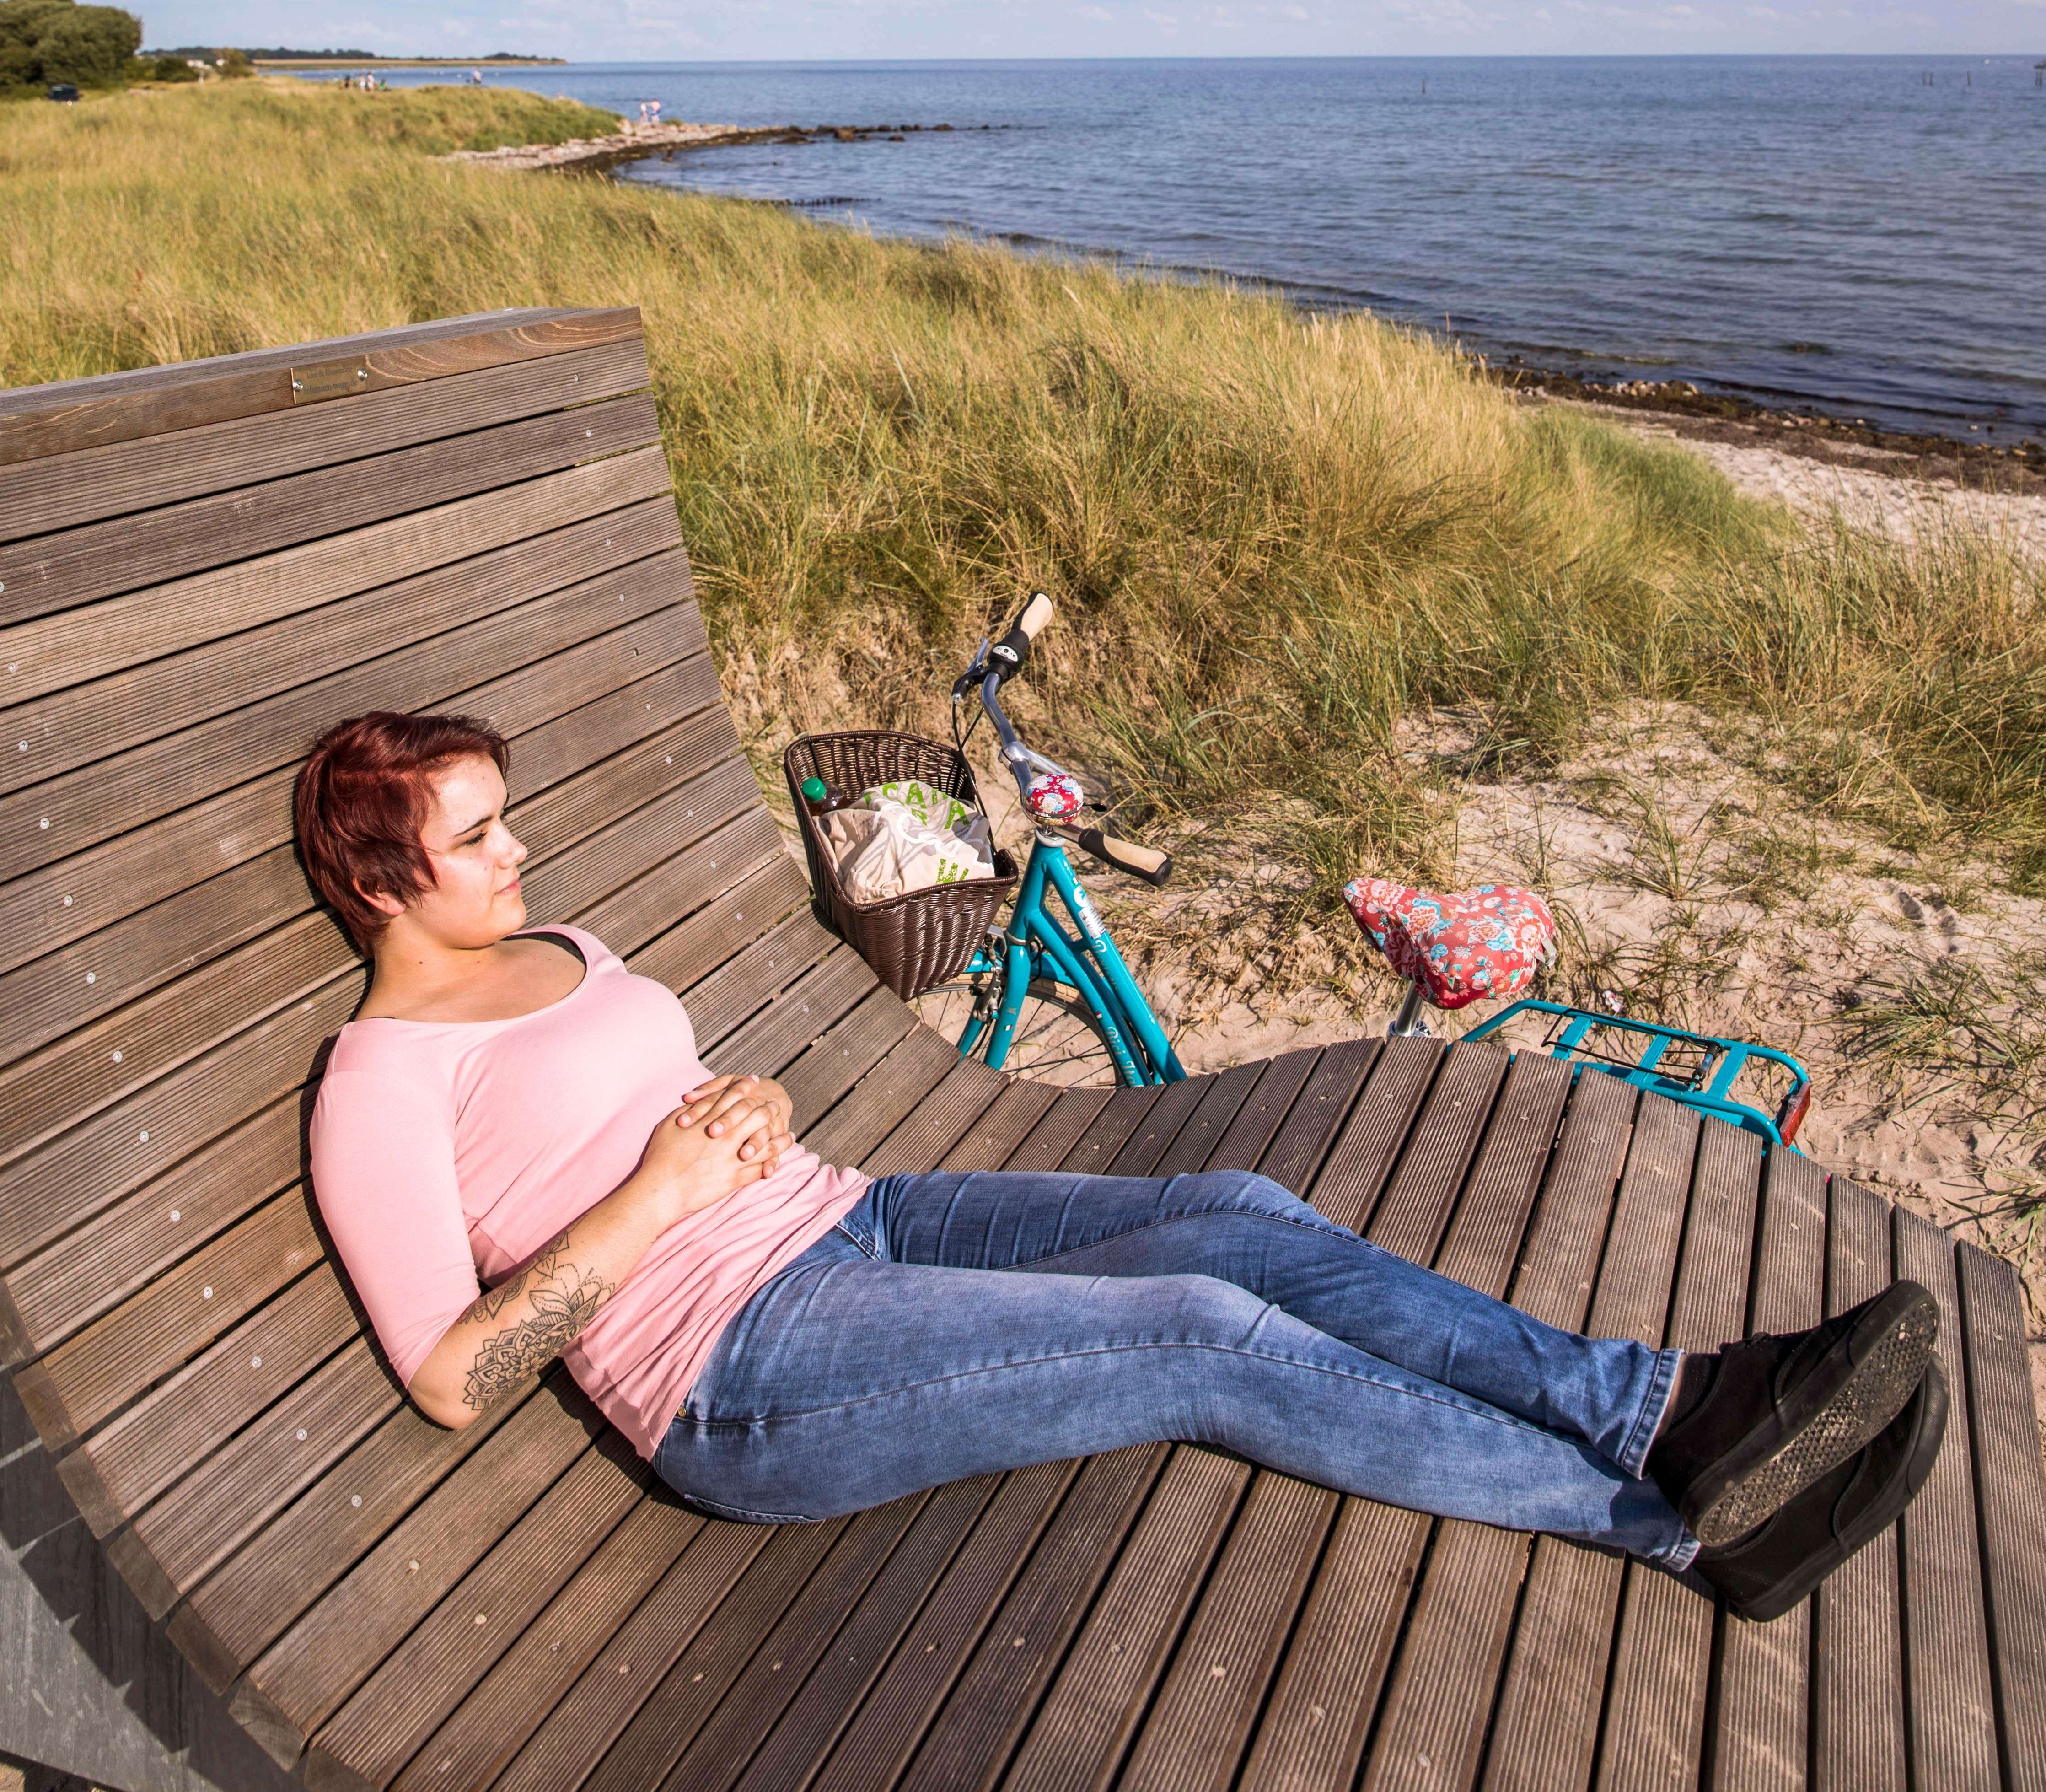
493,1301
565,1298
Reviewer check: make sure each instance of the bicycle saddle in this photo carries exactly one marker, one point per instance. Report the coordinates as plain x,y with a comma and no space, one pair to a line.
1488,941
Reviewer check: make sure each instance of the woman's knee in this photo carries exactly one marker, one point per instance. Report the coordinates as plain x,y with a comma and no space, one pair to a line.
1246,1191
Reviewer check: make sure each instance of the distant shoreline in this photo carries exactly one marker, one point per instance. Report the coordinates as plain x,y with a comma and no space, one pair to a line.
339,63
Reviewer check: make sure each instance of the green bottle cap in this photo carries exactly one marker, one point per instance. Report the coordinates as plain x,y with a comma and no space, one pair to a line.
814,789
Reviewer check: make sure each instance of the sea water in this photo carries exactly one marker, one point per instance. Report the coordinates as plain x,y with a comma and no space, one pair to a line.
1861,235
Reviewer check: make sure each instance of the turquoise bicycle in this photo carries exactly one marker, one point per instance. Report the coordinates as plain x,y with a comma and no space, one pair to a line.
1059,1005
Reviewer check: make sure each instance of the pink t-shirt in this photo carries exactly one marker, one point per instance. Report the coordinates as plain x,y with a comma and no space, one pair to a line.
443,1151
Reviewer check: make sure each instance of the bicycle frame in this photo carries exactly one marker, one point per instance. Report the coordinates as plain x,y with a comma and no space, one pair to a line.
1034,945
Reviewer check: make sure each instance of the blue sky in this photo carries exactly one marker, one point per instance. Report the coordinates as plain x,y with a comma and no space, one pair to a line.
808,30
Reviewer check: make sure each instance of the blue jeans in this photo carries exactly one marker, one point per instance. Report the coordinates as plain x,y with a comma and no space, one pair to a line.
956,1324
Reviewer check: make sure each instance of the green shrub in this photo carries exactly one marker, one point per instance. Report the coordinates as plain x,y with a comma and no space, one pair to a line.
44,41
234,66
172,68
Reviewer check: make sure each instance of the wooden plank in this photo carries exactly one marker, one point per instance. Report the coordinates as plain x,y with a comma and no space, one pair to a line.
987,1144
728,1738
72,414
131,1460
84,724
1154,1135
248,1480
921,1140
813,1718
1313,1731
772,1561
246,1601
1081,1733
63,902
75,567
804,1013
662,1726
721,1002
199,921
171,1318
306,1673
71,646
1655,1711
398,1706
1952,1721
765,886
1858,1734
2012,1492
1432,1728
885,1729
640,605
1195,1141
816,1079
1295,1157
1195,1734
1416,1209
62,491
913,1074
1257,1122
534,1674
1482,1243
1760,1738
1106,1134
991,1702
1547,1723
1362,1158
1072,1112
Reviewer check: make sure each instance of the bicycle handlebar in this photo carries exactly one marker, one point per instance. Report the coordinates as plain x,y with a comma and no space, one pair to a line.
1146,862
1005,659
1009,655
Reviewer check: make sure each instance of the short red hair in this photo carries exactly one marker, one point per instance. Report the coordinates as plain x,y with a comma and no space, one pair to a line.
362,799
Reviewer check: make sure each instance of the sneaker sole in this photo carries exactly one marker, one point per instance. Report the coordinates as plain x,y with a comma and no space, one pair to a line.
1916,1470
1873,1393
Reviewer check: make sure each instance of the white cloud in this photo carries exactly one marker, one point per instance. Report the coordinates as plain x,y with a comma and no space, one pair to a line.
1100,15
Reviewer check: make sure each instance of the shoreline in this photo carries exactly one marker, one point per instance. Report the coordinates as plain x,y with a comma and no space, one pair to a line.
633,141
1850,443
1681,407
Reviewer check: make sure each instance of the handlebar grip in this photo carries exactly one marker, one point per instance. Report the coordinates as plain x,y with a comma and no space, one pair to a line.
1144,862
1037,613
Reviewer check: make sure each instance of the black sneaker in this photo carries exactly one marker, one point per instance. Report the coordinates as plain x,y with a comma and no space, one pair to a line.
1762,1575
1779,1412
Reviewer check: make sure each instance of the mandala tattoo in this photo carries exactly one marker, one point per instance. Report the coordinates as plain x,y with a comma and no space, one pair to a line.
565,1298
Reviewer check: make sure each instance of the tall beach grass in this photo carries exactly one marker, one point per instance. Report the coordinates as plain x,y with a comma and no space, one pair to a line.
1273,535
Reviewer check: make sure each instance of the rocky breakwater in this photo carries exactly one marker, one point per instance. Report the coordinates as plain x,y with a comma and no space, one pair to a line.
632,140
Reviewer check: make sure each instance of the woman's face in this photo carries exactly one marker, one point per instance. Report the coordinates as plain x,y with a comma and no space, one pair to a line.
476,899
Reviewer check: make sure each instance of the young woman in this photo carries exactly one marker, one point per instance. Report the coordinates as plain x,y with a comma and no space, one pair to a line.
785,1340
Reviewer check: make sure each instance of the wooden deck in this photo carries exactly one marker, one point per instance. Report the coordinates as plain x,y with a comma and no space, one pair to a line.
197,571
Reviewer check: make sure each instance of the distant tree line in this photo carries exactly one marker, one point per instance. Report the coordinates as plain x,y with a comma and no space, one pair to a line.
282,55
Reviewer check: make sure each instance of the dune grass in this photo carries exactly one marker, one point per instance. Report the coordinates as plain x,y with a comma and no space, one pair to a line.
1273,536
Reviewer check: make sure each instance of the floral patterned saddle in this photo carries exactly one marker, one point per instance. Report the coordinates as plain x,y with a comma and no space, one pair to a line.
1474,944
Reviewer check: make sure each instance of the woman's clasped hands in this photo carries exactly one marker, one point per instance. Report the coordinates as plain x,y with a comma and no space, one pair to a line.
728,1132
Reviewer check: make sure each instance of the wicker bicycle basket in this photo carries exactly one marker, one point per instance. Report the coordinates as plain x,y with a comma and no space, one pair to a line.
915,941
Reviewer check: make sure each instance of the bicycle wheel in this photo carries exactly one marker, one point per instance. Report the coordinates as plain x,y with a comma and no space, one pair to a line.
1056,1040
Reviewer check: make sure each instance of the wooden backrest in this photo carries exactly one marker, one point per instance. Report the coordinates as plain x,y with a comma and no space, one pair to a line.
200,568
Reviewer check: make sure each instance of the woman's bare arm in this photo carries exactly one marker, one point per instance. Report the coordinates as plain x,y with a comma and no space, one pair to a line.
525,1322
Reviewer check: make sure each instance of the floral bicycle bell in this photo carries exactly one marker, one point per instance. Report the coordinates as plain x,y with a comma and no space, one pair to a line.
1054,796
